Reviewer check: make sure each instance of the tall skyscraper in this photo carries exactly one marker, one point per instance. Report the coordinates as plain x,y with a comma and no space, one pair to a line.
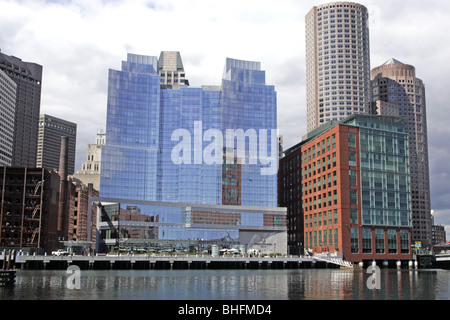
161,141
7,115
28,78
189,167
337,62
397,90
51,129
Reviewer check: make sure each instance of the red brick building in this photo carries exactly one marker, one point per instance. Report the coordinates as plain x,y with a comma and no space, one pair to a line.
30,216
340,200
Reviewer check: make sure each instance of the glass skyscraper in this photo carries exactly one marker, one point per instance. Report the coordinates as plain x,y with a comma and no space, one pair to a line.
187,167
161,141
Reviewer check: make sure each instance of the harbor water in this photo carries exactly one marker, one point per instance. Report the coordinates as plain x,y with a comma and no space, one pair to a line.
292,284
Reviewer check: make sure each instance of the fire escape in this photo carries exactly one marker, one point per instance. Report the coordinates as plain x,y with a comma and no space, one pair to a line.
21,203
32,211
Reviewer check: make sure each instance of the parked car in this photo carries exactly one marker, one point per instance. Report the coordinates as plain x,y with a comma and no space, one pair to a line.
60,252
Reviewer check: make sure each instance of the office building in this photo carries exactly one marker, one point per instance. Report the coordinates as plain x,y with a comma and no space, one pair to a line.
439,235
28,78
7,115
51,129
347,190
171,145
171,70
192,166
73,226
78,223
43,210
152,225
397,90
337,62
28,211
91,168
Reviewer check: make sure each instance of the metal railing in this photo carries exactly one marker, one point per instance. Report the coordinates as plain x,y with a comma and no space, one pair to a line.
335,259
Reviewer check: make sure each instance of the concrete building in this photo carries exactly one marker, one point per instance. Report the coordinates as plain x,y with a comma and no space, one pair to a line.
90,169
395,84
51,129
73,224
28,78
337,62
347,190
438,234
280,147
7,116
384,108
171,70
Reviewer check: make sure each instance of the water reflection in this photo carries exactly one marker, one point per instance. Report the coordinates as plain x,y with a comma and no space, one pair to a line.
352,284
324,284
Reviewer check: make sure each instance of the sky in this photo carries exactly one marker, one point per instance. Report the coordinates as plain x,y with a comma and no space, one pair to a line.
77,41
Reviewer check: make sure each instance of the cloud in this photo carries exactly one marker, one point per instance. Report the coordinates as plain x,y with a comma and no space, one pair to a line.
77,41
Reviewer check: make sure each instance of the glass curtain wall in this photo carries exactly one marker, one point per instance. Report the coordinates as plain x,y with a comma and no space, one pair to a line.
384,171
147,224
141,118
129,158
182,109
249,104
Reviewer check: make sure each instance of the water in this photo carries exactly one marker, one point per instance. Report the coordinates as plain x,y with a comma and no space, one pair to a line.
297,284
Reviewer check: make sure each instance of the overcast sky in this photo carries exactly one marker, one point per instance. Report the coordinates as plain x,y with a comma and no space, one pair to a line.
77,41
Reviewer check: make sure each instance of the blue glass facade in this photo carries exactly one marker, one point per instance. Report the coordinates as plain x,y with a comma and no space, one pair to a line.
130,158
151,224
138,158
249,104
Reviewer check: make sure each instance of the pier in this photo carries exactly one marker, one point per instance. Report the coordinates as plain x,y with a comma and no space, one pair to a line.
442,261
145,262
8,272
191,261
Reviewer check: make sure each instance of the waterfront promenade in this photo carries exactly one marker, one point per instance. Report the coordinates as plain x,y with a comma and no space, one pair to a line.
198,261
181,261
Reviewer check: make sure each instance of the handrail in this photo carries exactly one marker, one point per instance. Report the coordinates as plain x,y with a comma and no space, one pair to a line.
334,260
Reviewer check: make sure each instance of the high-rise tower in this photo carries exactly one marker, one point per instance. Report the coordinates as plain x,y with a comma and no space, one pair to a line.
397,90
337,62
51,129
161,140
7,115
189,165
28,78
